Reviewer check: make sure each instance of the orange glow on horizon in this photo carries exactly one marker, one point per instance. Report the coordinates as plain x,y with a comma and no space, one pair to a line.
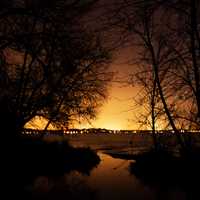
114,114
38,123
118,112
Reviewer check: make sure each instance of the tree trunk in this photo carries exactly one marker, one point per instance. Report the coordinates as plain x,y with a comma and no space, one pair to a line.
153,118
193,40
157,79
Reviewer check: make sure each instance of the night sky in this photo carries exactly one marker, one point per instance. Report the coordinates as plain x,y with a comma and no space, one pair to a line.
119,110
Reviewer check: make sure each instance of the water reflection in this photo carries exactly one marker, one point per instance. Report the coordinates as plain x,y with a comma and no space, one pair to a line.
70,186
110,180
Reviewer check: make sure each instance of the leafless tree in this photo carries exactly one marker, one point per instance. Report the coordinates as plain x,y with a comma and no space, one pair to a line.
167,36
50,66
149,24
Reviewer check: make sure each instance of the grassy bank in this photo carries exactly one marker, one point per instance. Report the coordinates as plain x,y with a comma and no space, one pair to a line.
30,158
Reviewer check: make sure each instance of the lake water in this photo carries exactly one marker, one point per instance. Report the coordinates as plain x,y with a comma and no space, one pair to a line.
111,179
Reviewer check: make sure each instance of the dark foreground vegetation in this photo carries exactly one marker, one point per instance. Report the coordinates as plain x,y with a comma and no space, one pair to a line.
29,159
162,169
157,165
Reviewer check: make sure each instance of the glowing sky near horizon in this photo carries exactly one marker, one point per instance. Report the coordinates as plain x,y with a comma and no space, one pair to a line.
119,111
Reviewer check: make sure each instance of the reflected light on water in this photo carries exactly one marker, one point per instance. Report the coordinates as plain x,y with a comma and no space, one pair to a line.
113,181
110,180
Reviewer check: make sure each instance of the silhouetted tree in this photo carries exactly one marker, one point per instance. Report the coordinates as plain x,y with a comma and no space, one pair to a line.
185,44
49,65
166,35
147,99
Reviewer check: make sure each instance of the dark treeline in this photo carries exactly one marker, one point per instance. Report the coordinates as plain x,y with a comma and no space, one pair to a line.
166,39
50,65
